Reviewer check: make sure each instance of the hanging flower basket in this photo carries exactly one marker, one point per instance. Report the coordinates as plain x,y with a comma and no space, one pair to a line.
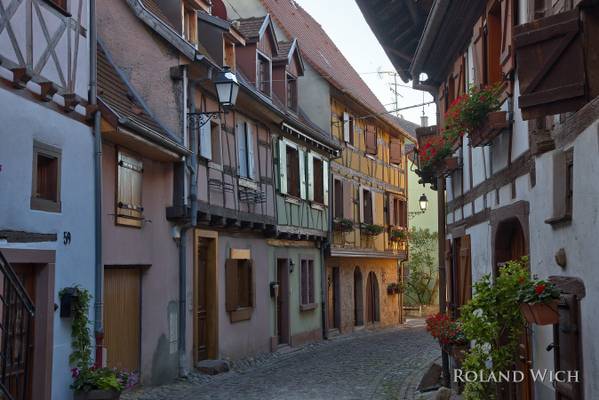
372,229
541,313
493,124
392,288
343,225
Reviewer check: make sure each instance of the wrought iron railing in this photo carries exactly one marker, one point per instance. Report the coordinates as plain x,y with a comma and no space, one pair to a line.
16,327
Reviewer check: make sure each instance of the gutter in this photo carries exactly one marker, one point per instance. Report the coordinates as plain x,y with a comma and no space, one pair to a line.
433,22
99,266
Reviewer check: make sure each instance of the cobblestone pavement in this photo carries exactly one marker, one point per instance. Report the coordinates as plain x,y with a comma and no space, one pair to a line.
365,365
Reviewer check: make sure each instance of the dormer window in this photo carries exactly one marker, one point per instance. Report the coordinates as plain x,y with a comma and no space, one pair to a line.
263,74
190,23
292,93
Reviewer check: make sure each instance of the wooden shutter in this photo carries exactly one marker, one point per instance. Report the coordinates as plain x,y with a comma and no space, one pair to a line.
309,178
442,104
311,297
325,182
395,152
448,271
361,194
346,133
461,77
304,282
567,351
242,161
465,270
249,134
205,138
478,52
348,200
282,166
552,70
371,145
302,174
231,301
507,25
402,214
391,210
129,190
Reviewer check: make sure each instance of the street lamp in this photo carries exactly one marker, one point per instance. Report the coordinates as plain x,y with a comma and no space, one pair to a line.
423,202
227,89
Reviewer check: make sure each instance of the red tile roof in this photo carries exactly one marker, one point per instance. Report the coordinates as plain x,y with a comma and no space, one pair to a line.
157,11
322,54
250,27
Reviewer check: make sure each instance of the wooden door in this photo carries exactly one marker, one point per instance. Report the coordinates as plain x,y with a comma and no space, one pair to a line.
122,317
283,301
358,298
567,350
17,373
201,302
372,299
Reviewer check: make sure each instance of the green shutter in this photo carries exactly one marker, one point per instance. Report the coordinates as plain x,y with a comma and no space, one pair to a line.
310,178
325,181
282,166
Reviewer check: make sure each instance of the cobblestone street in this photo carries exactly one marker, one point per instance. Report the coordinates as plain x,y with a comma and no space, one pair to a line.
367,365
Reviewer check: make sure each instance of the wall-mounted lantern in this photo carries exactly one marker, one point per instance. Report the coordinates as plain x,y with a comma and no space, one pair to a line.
274,289
423,202
68,296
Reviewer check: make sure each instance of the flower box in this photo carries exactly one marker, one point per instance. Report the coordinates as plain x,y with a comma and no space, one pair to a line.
343,225
446,166
98,395
372,229
493,124
392,288
397,235
540,313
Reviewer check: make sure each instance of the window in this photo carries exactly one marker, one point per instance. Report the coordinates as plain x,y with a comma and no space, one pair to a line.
367,212
318,179
398,212
246,167
308,301
293,171
45,190
563,187
190,24
263,74
292,93
229,55
239,285
210,147
338,188
129,210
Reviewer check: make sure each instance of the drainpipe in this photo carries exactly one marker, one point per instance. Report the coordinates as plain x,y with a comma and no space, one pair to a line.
192,165
442,266
99,267
323,247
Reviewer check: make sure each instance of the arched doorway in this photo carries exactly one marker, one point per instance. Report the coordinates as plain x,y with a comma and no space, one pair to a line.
358,298
511,244
372,299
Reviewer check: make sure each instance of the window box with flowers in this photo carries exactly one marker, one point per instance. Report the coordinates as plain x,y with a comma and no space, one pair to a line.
398,234
343,225
371,229
538,302
450,335
393,288
436,158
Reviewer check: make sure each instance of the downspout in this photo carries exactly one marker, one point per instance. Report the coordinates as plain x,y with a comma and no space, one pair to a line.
99,267
326,245
192,165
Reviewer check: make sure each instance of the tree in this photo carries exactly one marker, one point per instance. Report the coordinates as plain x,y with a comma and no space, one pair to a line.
422,267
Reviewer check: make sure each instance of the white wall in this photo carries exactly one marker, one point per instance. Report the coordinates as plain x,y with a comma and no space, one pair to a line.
22,122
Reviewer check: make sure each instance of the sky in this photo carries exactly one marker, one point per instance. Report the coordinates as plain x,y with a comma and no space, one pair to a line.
344,23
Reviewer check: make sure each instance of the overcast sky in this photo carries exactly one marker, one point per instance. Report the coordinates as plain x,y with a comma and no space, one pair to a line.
344,23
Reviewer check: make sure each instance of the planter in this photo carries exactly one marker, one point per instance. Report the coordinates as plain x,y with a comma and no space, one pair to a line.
458,352
392,289
98,395
493,125
541,313
446,166
343,226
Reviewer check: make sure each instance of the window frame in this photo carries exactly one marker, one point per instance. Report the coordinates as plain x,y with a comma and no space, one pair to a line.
36,202
307,294
294,106
290,183
188,11
259,81
364,213
238,313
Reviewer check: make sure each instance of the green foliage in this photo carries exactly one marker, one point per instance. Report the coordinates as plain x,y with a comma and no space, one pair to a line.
343,225
422,267
539,291
80,335
398,234
492,320
372,229
96,379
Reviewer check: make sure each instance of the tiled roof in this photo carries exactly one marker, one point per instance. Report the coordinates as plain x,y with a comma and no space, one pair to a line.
157,11
284,48
250,27
320,51
116,95
408,126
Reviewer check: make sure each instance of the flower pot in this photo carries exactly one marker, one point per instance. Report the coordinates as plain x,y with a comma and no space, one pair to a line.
98,395
446,166
491,126
541,313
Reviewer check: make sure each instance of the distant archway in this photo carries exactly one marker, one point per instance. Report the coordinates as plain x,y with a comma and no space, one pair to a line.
510,242
372,299
358,298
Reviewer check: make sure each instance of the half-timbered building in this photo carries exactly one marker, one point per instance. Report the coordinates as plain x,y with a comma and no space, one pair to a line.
523,184
46,221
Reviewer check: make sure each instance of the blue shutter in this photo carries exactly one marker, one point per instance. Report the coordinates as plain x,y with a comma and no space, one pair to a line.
206,138
250,151
242,166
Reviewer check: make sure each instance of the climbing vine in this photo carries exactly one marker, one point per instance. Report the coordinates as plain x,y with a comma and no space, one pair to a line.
81,356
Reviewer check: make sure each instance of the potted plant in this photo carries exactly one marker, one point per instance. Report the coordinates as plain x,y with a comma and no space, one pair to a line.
372,229
398,235
538,302
100,383
449,333
343,225
393,288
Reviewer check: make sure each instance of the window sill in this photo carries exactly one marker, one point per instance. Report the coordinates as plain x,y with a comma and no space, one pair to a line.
308,307
370,156
317,206
293,200
248,183
215,166
241,314
556,222
40,204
